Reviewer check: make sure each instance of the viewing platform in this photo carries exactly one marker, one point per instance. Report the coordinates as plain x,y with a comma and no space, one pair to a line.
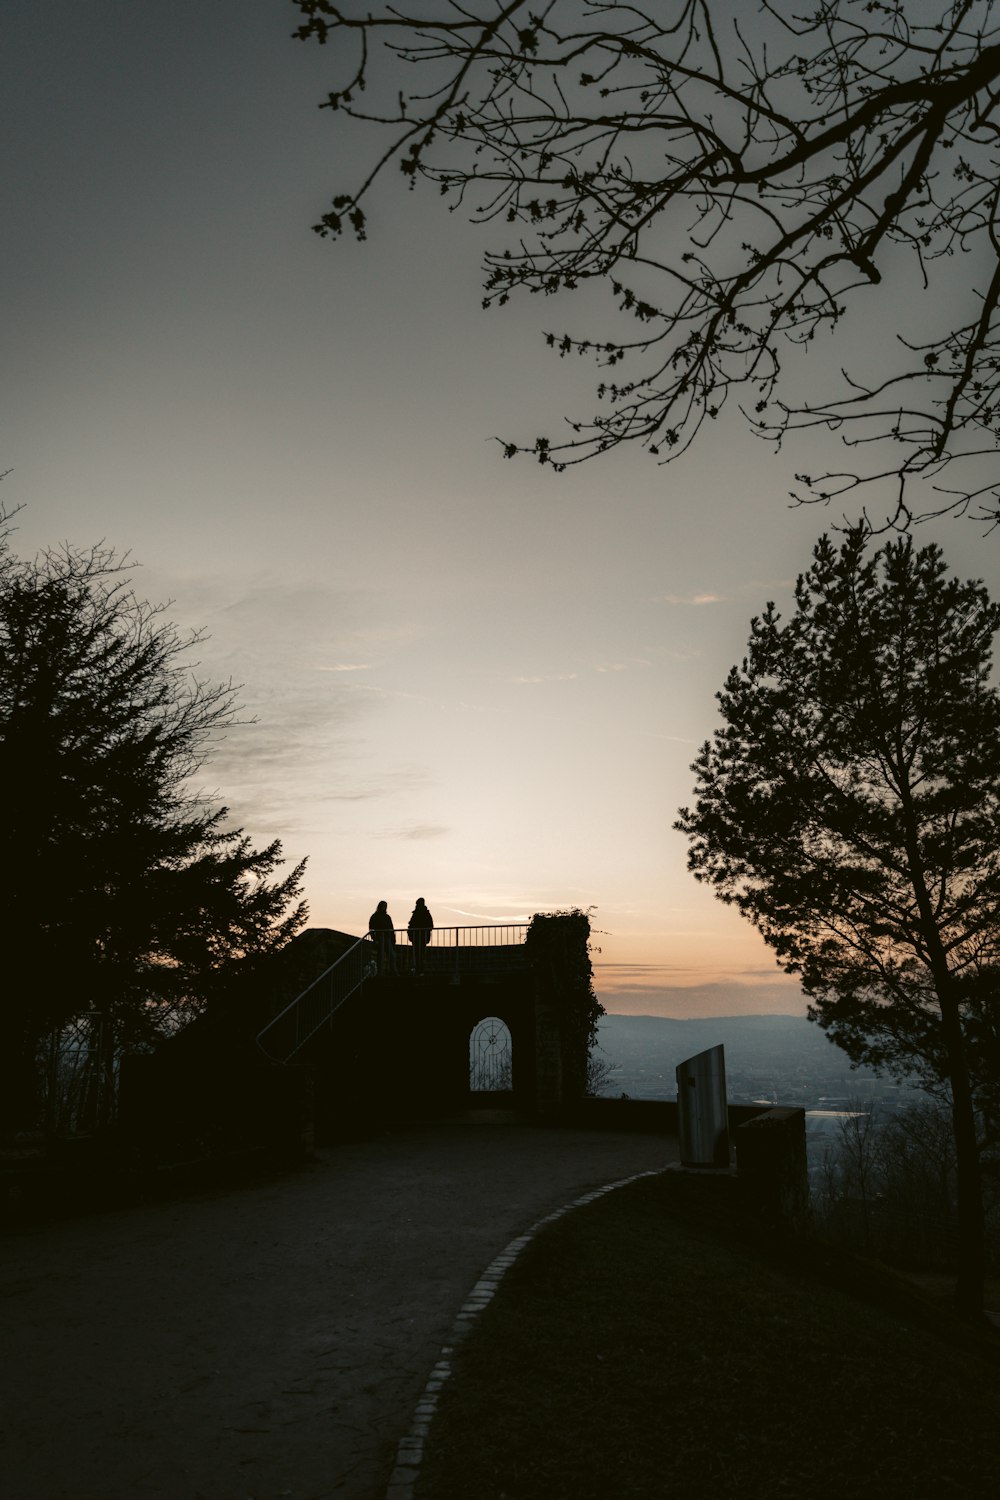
454,952
345,1031
452,956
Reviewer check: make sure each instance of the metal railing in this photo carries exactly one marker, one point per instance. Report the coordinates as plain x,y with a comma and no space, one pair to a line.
497,935
456,952
451,953
292,1027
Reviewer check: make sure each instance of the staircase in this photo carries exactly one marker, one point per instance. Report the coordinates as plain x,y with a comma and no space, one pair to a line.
284,1036
454,953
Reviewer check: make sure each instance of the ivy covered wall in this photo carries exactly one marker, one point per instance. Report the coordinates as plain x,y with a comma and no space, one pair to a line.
558,946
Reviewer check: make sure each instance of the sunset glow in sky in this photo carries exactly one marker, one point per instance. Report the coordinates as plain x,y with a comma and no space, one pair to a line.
471,679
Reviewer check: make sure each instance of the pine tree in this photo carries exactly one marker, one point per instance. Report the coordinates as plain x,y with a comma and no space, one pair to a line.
123,893
849,808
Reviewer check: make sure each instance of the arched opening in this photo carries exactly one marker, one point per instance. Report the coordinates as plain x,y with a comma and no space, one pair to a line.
491,1057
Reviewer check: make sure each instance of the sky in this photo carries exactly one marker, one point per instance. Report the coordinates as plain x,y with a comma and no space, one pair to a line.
463,678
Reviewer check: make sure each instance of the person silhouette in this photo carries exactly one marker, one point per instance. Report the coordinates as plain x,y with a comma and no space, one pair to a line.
419,929
383,935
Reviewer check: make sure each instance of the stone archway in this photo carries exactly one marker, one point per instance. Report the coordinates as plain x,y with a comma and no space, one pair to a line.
491,1057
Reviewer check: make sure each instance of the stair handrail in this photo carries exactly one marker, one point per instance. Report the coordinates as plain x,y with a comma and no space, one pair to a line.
311,1009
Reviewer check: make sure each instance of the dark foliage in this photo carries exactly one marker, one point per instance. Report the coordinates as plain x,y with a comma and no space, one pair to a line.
123,893
558,947
738,177
849,808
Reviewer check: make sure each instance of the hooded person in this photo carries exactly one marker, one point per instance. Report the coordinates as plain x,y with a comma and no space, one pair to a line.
383,935
419,929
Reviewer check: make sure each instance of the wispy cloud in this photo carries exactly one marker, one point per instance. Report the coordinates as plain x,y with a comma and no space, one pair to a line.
622,666
705,598
549,677
387,784
416,831
381,692
489,917
642,973
347,666
601,667
664,977
755,590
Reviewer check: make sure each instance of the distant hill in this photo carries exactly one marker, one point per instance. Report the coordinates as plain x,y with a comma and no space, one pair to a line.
745,1038
764,1054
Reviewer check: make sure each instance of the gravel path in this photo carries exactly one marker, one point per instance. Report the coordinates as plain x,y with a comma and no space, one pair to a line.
268,1341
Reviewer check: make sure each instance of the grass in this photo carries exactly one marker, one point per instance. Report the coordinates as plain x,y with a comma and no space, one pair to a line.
651,1345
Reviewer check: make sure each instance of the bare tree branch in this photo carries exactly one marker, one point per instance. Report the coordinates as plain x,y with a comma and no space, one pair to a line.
740,182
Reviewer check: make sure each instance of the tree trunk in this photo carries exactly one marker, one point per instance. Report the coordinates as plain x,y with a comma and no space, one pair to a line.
971,1269
969,1286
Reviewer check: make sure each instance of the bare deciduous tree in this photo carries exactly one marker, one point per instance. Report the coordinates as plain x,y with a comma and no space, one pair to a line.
745,181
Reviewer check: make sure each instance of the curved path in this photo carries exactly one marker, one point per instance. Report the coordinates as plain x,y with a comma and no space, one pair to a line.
267,1342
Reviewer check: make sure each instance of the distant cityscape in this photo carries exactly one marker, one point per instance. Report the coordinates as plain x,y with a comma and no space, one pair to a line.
769,1059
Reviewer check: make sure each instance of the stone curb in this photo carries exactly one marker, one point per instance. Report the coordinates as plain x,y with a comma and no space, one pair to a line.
410,1451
